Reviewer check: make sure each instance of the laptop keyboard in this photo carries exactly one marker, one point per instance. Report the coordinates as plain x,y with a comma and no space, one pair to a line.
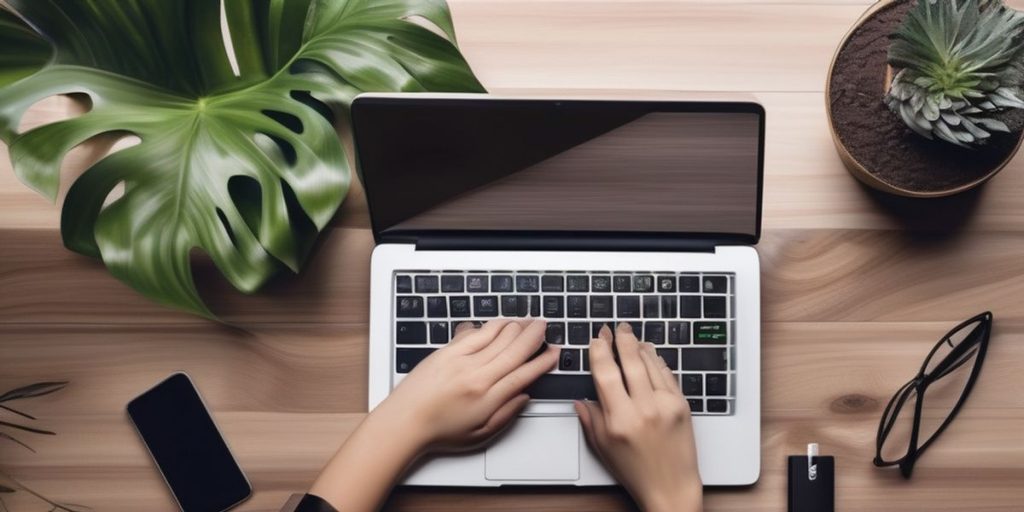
688,316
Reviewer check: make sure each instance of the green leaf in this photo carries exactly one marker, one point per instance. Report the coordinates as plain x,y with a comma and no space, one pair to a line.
245,168
22,51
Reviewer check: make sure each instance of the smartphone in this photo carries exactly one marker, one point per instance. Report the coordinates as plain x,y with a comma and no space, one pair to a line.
187,447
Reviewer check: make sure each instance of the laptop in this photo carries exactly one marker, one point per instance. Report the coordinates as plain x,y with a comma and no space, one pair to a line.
584,213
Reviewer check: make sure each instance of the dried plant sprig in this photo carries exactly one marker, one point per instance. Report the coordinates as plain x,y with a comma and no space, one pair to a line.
25,392
959,62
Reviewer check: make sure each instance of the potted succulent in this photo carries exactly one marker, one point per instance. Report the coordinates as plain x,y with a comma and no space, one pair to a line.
924,97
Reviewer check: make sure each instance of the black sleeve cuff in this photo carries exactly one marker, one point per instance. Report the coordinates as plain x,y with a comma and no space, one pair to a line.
312,503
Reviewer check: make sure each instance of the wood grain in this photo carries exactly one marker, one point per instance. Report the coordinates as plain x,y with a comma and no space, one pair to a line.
856,288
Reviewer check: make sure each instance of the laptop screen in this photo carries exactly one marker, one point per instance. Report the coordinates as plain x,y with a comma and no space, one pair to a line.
493,165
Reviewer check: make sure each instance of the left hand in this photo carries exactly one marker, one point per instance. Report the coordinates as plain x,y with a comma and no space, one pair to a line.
458,397
465,393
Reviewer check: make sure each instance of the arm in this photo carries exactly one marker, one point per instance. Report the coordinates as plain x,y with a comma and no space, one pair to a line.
642,429
459,397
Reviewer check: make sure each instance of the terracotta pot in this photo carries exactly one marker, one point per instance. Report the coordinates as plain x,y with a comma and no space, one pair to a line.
856,168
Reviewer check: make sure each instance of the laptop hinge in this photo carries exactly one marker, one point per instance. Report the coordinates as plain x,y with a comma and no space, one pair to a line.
560,242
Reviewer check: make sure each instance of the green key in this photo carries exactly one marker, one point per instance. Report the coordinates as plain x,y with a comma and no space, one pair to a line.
709,332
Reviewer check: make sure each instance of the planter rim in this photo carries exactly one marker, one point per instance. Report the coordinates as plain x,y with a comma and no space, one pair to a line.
857,169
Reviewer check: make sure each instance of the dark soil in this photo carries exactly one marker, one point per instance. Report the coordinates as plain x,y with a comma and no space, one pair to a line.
877,138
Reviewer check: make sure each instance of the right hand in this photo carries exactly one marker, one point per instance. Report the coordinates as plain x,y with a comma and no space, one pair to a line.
641,428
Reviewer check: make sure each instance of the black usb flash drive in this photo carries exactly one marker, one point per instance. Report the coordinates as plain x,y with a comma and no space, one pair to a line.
812,482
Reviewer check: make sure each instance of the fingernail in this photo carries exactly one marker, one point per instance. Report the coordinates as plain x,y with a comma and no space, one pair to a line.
625,327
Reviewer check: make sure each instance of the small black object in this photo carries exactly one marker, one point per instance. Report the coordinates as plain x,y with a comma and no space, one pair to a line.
579,333
601,306
426,284
552,283
411,332
563,387
812,482
578,284
476,284
601,284
554,306
628,306
643,284
409,306
576,306
485,306
622,283
527,283
714,307
501,283
452,283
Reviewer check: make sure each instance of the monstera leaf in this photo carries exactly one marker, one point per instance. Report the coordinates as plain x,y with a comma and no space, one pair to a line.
237,157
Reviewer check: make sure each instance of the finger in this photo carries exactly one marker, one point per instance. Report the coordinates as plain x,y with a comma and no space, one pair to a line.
508,334
503,416
592,420
518,351
653,365
638,382
462,328
477,339
611,392
521,377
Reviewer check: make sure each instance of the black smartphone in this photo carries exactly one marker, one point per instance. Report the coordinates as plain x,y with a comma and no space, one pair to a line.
187,447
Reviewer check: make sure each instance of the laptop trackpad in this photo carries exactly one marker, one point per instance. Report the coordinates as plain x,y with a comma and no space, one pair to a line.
537,448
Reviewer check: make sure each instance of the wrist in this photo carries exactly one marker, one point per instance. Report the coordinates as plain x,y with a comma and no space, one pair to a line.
400,431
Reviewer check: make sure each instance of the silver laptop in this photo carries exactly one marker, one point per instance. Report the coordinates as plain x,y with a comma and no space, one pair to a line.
584,213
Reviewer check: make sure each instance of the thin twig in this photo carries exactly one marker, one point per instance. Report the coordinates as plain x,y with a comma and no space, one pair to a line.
28,429
19,413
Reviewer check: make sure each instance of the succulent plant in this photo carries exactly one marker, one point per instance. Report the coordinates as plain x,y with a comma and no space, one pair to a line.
959,62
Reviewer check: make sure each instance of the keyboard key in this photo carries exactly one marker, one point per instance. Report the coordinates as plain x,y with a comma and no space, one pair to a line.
585,359
476,284
403,284
693,384
409,306
714,307
716,284
654,332
601,306
501,284
577,283
689,284
426,284
638,330
554,306
437,307
410,333
622,283
696,404
534,305
689,306
666,284
569,360
579,333
671,357
485,306
669,306
552,283
643,284
601,284
679,333
453,284
510,305
563,387
459,307
555,333
710,333
703,359
717,384
439,332
407,358
651,306
527,283
576,306
628,306
715,405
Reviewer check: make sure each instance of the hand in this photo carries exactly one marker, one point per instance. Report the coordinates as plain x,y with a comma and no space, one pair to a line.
465,393
641,428
458,397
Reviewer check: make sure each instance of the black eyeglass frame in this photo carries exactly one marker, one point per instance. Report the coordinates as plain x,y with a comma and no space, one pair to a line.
978,337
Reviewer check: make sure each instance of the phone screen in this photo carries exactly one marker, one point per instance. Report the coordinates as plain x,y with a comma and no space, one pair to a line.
187,447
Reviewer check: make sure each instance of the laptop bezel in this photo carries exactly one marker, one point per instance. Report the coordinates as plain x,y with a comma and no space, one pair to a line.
560,239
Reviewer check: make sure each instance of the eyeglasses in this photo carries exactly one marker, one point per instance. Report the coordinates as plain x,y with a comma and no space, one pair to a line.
947,376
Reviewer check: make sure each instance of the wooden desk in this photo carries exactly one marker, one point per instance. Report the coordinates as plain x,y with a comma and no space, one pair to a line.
856,289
